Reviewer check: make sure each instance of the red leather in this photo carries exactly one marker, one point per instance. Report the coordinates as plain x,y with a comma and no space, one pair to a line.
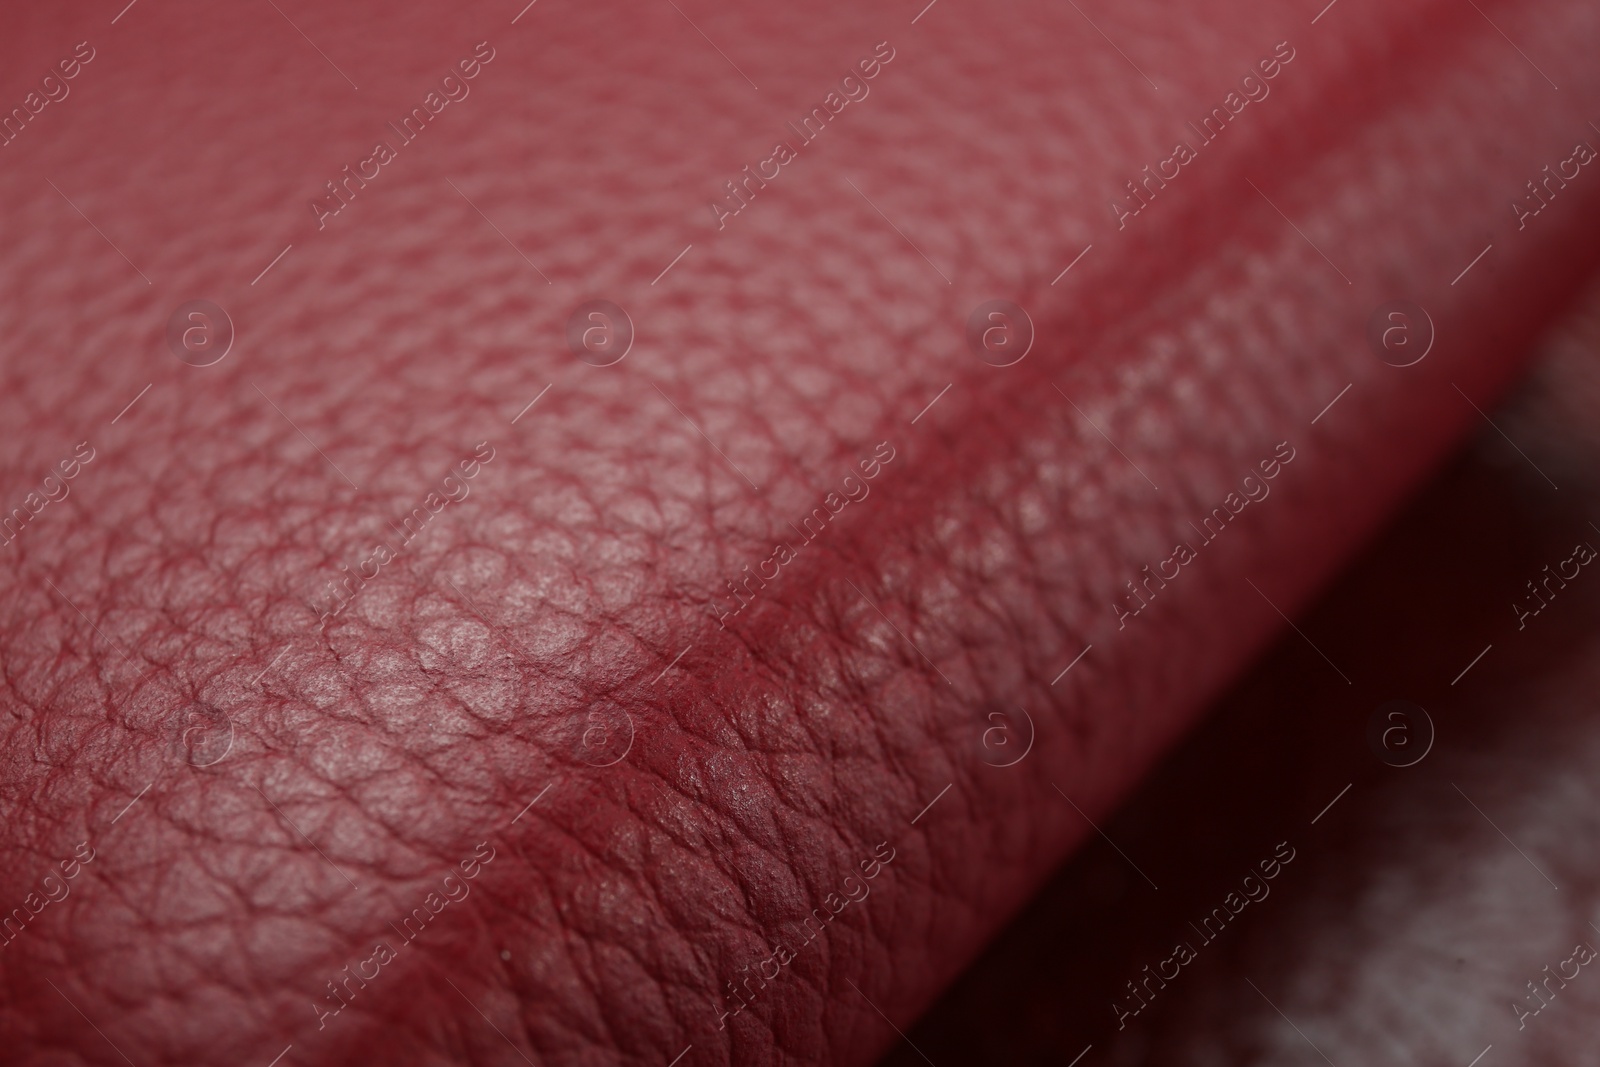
1432,909
553,635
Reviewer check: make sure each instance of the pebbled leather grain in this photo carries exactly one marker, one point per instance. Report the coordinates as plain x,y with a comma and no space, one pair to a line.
1408,929
540,675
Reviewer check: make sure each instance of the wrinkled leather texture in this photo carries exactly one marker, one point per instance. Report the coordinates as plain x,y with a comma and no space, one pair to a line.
570,597
1425,899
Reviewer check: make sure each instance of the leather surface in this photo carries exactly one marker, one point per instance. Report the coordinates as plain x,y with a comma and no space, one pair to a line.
301,781
1433,910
